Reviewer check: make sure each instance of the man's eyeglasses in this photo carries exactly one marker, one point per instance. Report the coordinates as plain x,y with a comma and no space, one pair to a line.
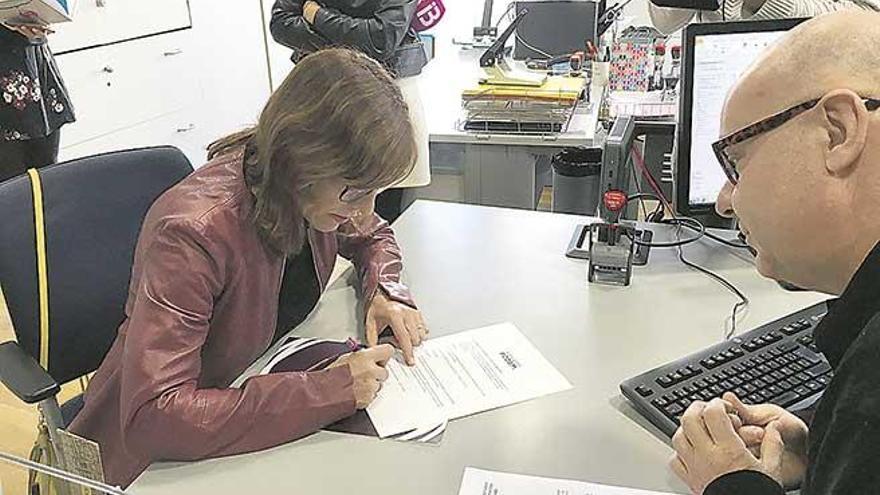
351,194
723,145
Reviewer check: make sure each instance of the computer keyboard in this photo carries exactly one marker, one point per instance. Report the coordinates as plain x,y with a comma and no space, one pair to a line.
776,363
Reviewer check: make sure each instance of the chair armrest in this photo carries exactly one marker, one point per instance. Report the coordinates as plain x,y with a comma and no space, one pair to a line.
23,376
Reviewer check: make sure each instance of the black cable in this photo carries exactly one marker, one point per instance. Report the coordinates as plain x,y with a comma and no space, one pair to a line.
700,230
743,300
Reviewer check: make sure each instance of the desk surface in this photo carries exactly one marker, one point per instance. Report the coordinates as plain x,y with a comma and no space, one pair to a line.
471,266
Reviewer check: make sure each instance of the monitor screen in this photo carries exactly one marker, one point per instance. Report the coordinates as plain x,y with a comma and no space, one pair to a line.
715,55
719,60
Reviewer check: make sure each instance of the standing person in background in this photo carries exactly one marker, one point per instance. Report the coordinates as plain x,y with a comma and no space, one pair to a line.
33,101
668,20
382,30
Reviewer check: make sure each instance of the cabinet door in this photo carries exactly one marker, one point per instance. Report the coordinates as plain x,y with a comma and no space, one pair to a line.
181,129
103,22
119,86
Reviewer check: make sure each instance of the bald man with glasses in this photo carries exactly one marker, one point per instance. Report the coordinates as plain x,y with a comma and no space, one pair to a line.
801,149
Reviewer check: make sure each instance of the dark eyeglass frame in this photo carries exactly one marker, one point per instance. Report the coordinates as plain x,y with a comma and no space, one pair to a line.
764,126
351,194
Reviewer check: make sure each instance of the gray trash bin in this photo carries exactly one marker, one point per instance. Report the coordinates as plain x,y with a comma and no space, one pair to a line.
576,180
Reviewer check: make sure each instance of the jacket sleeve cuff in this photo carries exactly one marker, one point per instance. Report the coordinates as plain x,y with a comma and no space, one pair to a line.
744,483
396,291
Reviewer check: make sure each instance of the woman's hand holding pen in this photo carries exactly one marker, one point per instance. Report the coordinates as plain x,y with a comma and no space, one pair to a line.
367,371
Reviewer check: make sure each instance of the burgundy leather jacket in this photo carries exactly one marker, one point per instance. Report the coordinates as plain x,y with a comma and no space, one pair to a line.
202,306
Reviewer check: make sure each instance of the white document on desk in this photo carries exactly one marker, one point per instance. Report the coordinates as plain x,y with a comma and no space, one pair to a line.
482,482
462,374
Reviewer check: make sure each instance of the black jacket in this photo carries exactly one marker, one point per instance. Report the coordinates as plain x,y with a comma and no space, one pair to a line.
844,443
379,28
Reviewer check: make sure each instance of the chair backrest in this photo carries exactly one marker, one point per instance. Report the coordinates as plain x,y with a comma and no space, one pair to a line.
93,208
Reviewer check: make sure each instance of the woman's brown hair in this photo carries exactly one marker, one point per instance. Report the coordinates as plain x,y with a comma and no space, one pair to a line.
338,114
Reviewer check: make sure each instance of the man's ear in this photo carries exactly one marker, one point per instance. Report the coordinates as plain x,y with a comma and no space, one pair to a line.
845,118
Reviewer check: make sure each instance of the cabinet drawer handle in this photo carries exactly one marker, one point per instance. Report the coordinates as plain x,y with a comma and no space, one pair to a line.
187,128
108,69
172,53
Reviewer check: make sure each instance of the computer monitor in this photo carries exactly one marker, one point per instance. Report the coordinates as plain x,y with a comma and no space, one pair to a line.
714,57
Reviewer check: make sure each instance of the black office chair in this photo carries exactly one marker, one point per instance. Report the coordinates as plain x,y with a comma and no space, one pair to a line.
93,210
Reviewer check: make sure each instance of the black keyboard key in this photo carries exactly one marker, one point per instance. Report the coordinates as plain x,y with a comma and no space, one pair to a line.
729,372
711,380
747,375
685,403
780,362
790,329
787,347
778,375
824,380
737,352
707,395
803,377
644,391
759,383
693,370
776,352
709,363
763,369
701,384
803,391
676,377
770,379
809,356
728,356
750,388
659,403
786,371
673,410
754,399
740,392
736,381
766,395
819,370
669,398
690,389
785,385
738,368
664,381
785,399
679,393
718,376
797,380
716,390
726,386
814,386
750,346
795,367
774,389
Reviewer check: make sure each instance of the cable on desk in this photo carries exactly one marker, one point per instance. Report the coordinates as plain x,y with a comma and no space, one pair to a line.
741,305
700,229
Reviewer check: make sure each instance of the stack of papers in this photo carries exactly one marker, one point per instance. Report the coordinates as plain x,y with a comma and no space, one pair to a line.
481,482
522,109
18,12
459,375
